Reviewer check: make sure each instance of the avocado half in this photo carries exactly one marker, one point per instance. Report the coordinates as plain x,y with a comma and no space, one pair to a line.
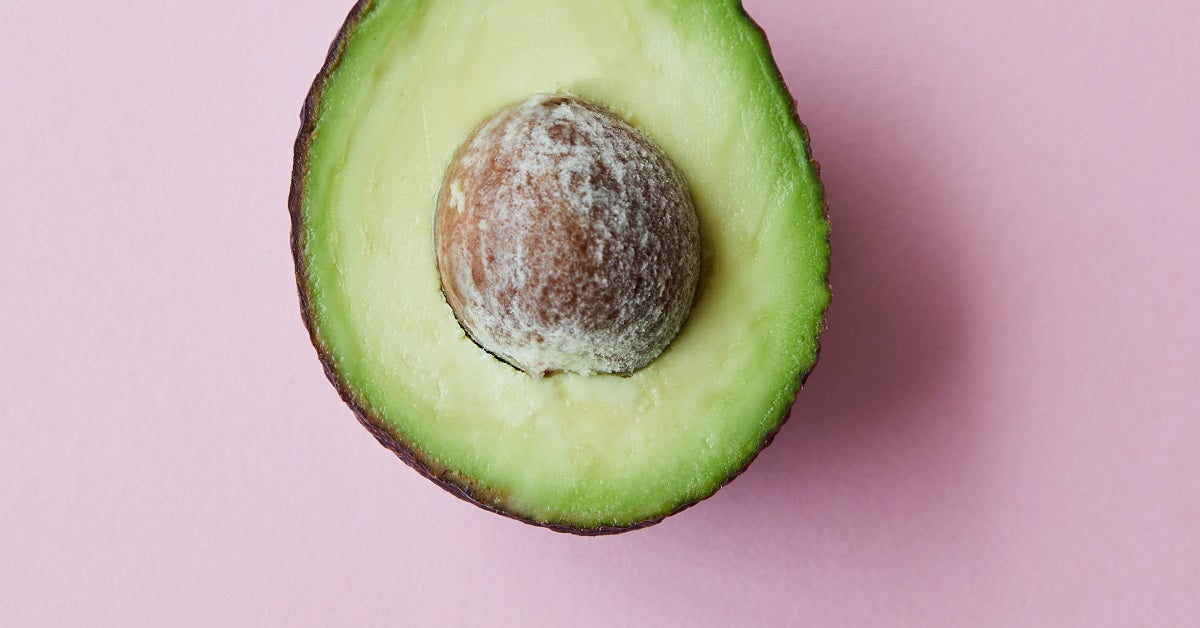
404,84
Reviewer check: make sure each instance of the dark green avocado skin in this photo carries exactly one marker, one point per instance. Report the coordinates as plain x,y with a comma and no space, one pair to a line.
447,479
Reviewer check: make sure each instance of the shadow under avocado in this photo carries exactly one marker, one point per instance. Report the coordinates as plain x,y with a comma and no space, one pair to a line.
877,413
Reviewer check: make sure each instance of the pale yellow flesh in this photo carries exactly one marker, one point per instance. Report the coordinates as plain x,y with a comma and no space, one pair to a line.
416,78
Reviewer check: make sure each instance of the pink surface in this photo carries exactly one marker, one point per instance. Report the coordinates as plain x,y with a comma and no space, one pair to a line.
1003,430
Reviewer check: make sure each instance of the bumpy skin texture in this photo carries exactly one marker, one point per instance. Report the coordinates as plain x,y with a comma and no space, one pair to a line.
566,240
450,481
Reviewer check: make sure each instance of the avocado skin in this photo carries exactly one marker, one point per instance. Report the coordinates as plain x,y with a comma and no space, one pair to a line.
450,481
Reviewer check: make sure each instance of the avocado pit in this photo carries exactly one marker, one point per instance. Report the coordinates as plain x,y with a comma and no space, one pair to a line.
566,240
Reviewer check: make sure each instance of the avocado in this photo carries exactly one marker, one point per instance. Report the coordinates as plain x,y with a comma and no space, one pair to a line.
609,430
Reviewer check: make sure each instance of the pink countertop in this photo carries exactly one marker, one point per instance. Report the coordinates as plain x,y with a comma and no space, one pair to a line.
1004,428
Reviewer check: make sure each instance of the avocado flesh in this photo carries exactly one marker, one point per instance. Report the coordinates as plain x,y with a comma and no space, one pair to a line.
405,84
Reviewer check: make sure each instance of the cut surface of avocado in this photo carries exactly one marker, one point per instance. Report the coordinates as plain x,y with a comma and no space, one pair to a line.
405,84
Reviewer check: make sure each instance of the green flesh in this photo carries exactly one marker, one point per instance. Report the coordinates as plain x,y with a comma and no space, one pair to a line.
415,77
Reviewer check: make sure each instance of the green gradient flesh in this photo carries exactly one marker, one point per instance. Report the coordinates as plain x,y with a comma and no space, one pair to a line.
414,79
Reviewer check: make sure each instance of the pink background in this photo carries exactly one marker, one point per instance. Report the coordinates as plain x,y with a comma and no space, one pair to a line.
1003,430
